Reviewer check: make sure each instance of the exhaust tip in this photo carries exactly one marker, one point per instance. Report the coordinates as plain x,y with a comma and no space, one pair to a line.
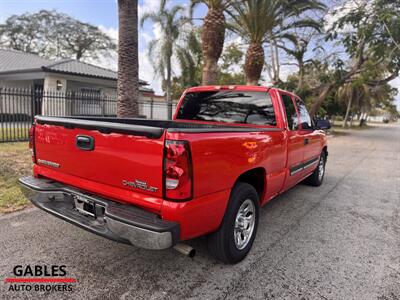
185,250
192,253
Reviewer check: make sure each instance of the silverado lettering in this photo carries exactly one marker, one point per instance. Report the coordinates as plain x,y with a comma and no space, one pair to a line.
137,184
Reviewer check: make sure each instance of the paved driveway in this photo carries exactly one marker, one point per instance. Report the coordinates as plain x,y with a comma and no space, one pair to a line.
339,241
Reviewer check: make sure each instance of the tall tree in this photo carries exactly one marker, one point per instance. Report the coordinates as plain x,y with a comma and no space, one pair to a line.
53,35
370,33
296,45
190,59
161,50
213,37
361,97
256,20
189,56
82,40
128,68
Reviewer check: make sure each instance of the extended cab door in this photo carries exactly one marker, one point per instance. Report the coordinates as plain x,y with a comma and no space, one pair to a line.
311,138
295,142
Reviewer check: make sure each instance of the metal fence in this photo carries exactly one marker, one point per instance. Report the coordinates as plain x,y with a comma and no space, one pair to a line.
19,106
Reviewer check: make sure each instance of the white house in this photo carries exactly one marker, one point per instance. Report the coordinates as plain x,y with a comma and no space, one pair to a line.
25,70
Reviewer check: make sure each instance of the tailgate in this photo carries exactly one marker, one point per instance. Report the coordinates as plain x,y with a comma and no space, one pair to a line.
124,161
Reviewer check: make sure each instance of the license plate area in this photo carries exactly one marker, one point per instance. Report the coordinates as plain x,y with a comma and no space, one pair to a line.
85,206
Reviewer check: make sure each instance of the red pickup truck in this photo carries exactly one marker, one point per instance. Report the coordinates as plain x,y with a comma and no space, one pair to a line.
151,183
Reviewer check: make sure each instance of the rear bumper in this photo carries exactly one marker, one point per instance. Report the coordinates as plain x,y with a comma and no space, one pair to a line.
123,223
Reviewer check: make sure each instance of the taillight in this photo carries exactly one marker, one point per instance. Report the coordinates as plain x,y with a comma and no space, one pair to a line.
178,179
32,142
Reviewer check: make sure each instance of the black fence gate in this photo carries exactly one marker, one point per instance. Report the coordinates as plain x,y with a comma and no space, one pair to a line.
19,106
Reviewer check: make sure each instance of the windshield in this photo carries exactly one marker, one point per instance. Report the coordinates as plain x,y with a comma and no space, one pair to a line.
228,106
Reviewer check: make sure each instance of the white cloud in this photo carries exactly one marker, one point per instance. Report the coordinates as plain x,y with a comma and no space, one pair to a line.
146,37
343,9
146,73
110,31
3,17
148,6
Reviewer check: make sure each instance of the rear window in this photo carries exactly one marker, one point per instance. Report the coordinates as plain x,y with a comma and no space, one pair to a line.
228,106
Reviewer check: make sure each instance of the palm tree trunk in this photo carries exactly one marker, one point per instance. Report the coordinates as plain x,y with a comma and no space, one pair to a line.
169,91
271,49
351,119
128,79
254,63
347,112
301,76
277,63
212,37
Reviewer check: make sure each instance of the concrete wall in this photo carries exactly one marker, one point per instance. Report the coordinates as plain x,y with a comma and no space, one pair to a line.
160,110
22,84
52,105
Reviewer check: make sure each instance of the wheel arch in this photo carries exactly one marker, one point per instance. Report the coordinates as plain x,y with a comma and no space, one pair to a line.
255,177
325,149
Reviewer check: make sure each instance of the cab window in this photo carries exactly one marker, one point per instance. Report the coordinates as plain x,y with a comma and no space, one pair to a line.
228,106
291,114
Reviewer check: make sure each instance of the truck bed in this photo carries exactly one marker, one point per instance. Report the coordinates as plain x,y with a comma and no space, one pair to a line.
142,127
123,151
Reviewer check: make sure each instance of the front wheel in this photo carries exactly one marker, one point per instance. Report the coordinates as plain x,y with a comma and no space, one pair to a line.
317,177
233,240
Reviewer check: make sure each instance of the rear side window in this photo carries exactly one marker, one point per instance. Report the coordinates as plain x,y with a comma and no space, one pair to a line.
228,106
305,119
291,113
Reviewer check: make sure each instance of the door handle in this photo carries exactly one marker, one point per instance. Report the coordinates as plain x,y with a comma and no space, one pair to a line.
306,141
84,142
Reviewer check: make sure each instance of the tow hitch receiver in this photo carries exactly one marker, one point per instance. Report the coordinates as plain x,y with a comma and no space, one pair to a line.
84,206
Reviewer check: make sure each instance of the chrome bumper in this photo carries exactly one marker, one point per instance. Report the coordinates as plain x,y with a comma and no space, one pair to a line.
123,223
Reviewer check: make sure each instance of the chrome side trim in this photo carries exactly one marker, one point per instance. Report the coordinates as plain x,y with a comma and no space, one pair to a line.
310,164
295,171
301,167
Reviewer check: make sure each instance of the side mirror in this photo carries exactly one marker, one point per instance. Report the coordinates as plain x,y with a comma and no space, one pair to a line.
323,124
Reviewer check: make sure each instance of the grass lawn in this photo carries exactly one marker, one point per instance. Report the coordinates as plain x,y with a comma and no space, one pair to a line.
15,161
338,130
14,134
339,125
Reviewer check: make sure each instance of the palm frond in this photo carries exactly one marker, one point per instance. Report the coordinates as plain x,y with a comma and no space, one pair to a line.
192,6
149,16
305,23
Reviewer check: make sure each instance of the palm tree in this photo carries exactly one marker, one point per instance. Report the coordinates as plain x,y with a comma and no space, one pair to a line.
300,44
350,92
212,37
189,56
128,79
256,20
161,50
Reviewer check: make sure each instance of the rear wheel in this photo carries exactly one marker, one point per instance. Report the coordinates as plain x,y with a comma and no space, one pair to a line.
233,240
317,177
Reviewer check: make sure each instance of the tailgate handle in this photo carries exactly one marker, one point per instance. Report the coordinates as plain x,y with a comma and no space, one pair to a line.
85,142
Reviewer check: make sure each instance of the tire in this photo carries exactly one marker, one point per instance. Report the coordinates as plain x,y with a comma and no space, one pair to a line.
316,178
221,243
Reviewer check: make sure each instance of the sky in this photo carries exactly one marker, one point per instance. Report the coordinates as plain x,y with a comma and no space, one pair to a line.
104,14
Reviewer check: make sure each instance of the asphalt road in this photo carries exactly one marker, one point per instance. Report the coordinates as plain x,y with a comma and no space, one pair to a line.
338,241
